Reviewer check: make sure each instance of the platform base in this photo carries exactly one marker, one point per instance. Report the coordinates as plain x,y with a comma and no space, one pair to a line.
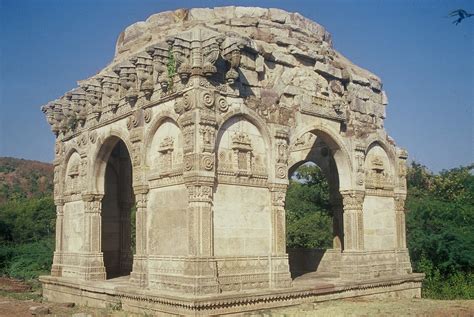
311,287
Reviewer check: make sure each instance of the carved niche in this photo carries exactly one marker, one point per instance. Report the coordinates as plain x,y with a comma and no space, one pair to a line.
164,154
241,153
73,174
378,173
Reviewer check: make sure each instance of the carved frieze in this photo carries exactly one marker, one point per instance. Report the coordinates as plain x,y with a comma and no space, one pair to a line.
272,113
188,137
305,141
402,168
208,133
360,160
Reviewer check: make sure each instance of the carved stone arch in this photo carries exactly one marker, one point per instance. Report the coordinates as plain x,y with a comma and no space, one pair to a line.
335,143
104,147
153,128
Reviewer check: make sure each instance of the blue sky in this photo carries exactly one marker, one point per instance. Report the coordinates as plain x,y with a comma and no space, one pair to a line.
425,62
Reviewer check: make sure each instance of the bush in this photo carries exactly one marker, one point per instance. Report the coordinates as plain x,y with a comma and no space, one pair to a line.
27,261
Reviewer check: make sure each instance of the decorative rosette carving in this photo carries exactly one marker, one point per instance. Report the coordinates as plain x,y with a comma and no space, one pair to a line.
207,162
183,104
280,171
222,104
188,163
208,99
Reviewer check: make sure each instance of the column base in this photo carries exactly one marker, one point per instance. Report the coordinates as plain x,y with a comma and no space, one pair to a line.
197,276
138,275
362,265
83,266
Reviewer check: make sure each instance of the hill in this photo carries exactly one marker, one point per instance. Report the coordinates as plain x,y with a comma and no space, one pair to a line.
21,178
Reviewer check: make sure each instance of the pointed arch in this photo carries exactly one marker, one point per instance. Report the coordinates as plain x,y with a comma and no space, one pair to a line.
337,147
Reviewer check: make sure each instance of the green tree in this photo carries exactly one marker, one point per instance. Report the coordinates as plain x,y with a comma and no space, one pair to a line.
308,212
27,220
440,235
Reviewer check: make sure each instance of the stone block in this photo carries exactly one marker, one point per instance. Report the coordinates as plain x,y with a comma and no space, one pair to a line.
203,14
327,70
241,12
277,15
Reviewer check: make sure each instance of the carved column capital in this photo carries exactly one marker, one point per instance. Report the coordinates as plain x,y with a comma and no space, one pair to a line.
278,192
352,199
399,203
140,189
92,202
92,197
199,193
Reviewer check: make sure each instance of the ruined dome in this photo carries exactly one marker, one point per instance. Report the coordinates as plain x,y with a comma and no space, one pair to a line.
275,57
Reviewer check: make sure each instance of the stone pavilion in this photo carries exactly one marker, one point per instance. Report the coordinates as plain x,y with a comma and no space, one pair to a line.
172,165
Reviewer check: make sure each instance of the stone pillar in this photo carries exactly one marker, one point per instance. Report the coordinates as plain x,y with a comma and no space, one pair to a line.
138,275
353,220
200,219
278,192
280,276
337,227
401,252
126,256
93,261
56,269
199,130
353,263
400,222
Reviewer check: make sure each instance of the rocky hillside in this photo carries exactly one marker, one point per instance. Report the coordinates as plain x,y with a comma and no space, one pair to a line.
24,178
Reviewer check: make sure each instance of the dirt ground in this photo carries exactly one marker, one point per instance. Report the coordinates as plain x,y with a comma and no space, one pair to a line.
16,299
